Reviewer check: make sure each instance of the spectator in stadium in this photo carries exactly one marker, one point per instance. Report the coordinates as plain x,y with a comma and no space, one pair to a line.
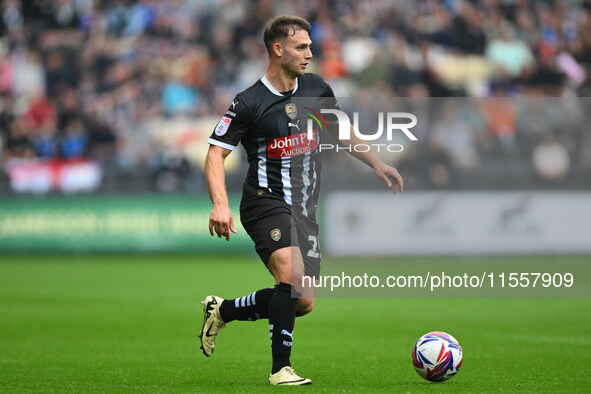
454,135
45,139
499,112
74,143
17,144
509,56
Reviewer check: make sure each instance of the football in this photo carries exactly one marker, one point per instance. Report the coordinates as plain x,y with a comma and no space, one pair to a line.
437,356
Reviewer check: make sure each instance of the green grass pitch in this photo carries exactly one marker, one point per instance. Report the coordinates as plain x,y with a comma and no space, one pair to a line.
128,323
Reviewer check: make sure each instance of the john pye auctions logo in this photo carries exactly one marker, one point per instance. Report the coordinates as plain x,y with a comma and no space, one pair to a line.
291,145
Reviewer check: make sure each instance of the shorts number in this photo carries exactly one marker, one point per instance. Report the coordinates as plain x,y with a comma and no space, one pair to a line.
314,251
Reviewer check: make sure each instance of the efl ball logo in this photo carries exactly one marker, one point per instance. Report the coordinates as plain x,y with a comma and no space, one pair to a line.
222,127
437,356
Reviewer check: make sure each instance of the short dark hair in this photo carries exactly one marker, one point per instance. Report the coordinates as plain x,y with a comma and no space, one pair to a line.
282,27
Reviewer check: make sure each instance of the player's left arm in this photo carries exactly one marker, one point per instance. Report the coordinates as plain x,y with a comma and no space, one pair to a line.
383,171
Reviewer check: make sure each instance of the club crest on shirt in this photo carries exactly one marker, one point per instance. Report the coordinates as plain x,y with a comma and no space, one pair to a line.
291,110
275,234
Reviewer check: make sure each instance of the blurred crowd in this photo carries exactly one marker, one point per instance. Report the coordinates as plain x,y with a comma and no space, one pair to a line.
103,79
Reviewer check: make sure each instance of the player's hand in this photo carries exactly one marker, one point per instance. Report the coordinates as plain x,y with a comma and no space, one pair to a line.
390,176
221,221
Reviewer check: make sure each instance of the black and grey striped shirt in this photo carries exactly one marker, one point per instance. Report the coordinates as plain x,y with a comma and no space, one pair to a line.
283,161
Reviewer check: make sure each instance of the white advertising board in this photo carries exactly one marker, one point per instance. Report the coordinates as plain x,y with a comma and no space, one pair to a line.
448,223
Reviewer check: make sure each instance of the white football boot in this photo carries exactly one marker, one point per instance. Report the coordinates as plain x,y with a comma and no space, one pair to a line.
212,323
287,377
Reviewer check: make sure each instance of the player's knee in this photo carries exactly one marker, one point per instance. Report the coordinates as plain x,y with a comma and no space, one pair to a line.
305,306
280,265
304,310
282,274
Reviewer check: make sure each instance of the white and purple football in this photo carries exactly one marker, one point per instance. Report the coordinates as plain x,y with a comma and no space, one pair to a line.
437,356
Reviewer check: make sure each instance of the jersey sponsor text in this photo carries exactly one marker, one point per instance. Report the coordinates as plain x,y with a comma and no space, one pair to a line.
292,145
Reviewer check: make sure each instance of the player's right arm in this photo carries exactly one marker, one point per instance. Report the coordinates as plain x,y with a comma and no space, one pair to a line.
223,141
220,220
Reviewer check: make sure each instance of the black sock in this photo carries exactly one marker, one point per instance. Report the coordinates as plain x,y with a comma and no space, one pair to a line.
251,307
282,311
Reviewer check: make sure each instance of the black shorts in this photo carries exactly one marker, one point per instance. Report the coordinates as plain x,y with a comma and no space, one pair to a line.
281,229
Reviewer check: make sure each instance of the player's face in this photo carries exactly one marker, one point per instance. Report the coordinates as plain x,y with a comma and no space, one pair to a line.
296,54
